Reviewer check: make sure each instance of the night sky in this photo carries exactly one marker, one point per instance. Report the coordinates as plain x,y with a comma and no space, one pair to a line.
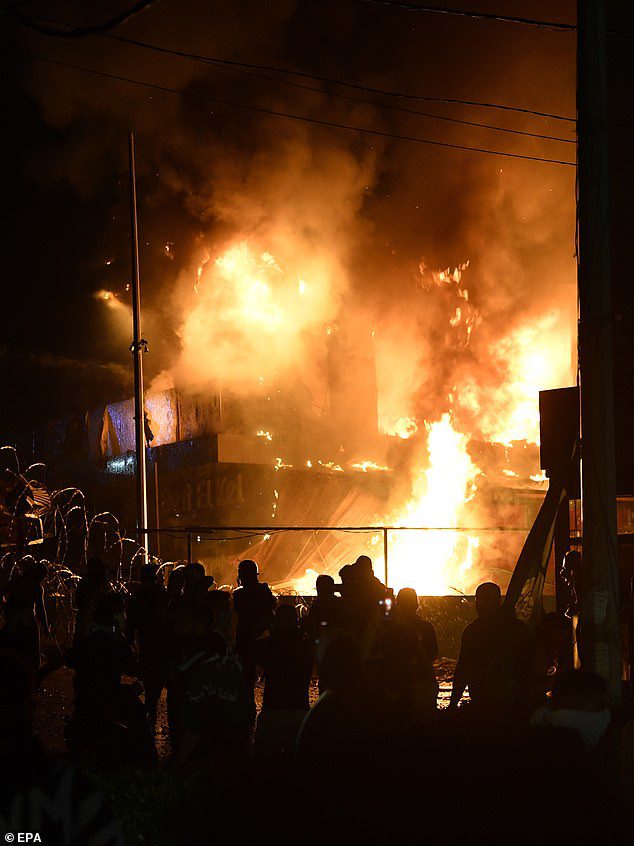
65,187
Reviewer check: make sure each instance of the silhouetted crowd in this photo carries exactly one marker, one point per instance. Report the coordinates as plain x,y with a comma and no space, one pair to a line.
533,753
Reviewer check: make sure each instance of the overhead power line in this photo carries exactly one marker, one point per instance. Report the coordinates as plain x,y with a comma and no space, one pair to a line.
556,26
404,110
381,92
76,32
303,118
384,92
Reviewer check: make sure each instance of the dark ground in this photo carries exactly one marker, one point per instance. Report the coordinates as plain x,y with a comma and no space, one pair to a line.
55,699
168,806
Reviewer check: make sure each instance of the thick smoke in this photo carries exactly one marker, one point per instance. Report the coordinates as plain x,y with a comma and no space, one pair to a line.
366,223
254,304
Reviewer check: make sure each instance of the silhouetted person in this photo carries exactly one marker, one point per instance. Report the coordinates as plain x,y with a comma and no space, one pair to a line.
38,794
344,720
286,657
326,608
25,612
362,594
108,714
175,582
406,611
495,655
211,703
346,574
220,604
173,652
404,674
548,645
196,589
370,584
253,604
91,589
196,583
148,624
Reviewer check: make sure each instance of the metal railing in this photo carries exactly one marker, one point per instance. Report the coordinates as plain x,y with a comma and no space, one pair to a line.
203,532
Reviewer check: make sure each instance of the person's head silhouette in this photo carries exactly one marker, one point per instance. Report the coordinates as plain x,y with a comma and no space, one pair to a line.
488,600
196,583
347,574
363,565
176,580
247,572
407,601
325,586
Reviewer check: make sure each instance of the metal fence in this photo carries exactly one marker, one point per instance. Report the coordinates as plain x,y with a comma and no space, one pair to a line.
189,538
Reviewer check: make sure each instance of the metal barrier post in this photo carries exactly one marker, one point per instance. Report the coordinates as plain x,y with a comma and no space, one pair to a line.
385,570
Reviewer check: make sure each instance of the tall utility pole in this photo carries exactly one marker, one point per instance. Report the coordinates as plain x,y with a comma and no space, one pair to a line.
600,649
138,348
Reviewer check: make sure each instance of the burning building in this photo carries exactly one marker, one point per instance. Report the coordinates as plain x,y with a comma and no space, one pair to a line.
279,433
347,327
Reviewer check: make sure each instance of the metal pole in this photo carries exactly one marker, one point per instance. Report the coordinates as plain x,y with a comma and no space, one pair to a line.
157,509
385,551
600,649
138,347
189,547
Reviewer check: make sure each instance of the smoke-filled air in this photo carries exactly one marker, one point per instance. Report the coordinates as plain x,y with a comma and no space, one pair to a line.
447,277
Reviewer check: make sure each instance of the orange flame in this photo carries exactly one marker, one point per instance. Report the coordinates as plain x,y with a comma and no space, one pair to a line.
532,358
435,562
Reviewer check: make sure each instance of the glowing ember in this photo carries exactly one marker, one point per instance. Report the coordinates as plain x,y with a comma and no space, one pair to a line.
539,477
435,562
200,269
330,465
364,466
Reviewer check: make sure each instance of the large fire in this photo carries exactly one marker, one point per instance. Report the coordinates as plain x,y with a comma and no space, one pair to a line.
534,356
434,562
247,290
